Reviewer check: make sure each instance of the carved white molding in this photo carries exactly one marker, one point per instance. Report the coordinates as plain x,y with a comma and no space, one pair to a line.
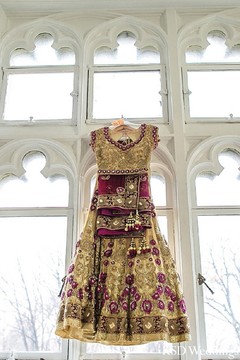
205,155
23,36
59,158
105,34
196,32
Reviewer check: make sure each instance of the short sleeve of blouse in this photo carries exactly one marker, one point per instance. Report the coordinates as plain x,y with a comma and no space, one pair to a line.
92,142
155,136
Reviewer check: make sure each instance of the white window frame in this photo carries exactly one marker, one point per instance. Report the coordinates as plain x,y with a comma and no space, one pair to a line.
43,212
187,92
56,163
206,210
127,68
56,69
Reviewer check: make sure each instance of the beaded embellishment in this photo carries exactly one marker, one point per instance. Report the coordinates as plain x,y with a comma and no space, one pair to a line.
122,146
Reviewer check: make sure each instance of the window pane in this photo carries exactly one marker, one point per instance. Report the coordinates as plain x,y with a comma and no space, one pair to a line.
31,267
216,51
163,224
214,93
220,256
223,189
126,53
33,189
39,96
158,190
133,93
43,54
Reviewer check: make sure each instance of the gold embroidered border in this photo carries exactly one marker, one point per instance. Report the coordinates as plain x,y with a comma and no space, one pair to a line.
118,223
123,201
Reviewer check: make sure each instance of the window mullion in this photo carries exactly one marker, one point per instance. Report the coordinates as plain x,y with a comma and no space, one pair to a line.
38,69
217,210
5,212
119,68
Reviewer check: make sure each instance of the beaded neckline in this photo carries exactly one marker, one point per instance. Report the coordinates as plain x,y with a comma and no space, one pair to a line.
127,146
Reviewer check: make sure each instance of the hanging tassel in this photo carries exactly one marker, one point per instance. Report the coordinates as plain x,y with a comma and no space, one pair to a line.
143,248
138,224
130,222
132,251
133,222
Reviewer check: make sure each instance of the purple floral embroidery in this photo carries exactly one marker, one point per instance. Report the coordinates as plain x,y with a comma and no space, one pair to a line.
171,306
161,277
147,306
87,288
125,305
113,307
106,262
133,305
106,296
182,305
120,190
102,277
158,261
71,268
74,284
63,295
94,202
111,244
90,296
80,294
155,251
137,296
92,281
133,290
167,291
173,297
125,292
129,279
130,263
152,242
108,252
69,292
70,279
155,296
161,304
99,288
160,289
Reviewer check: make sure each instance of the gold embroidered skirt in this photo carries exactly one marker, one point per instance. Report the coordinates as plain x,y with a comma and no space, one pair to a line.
122,289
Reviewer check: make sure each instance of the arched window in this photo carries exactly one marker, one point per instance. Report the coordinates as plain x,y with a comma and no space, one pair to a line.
217,220
127,80
38,84
34,222
212,79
